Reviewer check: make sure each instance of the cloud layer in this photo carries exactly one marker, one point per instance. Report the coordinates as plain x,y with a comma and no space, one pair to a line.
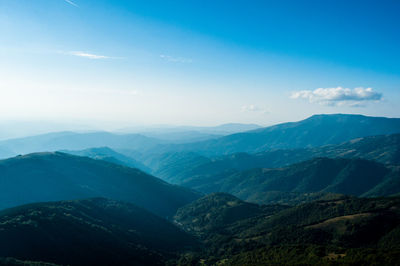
338,96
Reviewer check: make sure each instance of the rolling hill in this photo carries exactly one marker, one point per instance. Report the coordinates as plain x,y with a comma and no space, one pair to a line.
89,232
320,175
58,176
217,210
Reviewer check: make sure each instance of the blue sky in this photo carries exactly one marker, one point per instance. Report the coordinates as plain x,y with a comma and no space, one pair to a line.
122,63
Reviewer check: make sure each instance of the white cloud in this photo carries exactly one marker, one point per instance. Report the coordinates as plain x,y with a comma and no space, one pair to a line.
88,55
253,108
338,96
176,59
71,3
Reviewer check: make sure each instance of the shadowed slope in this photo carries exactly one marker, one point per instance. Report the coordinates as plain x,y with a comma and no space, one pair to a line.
58,176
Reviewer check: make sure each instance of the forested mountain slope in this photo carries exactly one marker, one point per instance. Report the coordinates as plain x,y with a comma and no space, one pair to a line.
59,176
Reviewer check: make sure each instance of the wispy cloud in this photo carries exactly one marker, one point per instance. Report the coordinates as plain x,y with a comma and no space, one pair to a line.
176,59
338,96
88,55
253,108
126,92
71,3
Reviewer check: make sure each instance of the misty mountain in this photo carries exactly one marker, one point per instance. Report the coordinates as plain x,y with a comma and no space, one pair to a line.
58,176
77,141
188,134
317,130
89,232
180,137
109,155
5,152
11,129
229,128
224,129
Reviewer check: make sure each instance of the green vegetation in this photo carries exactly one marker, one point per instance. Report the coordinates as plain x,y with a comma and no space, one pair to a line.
346,231
341,231
216,211
15,262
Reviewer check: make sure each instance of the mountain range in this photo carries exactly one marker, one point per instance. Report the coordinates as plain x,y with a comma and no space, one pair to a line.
140,141
200,172
321,191
317,130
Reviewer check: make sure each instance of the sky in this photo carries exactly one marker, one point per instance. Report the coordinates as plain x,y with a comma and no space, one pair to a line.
115,64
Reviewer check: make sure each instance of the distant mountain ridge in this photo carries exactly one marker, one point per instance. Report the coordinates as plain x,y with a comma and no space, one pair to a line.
188,134
58,176
76,141
317,130
223,129
141,141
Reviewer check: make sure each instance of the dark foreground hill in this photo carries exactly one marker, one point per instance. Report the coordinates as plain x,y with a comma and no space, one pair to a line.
58,176
89,232
346,230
